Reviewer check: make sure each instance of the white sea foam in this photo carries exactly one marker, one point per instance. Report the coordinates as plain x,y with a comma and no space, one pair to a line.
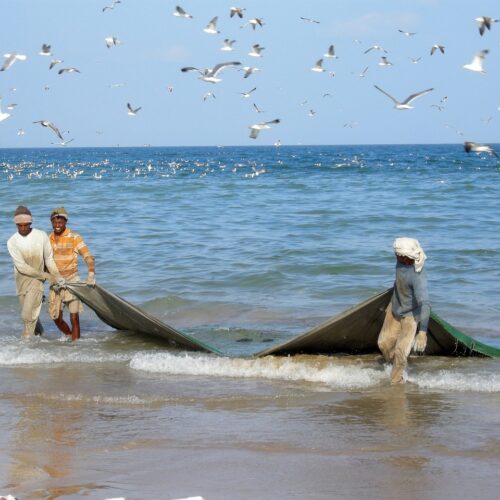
331,373
458,381
27,354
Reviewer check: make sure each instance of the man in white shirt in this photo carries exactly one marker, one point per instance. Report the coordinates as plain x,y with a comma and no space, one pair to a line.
31,253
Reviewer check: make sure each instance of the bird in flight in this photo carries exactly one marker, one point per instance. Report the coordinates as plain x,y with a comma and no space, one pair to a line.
474,147
247,94
131,111
228,45
238,11
46,123
256,50
211,27
318,67
407,33
180,12
437,47
406,103
10,59
3,116
484,23
68,70
375,47
111,40
45,51
477,62
112,6
310,20
330,53
210,74
255,22
257,127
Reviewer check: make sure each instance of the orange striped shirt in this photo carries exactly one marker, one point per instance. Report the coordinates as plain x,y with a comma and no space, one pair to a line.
66,249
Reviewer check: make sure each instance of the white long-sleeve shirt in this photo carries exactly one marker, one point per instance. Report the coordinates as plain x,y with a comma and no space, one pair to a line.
31,255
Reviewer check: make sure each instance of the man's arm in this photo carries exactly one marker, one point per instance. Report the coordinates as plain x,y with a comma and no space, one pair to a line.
84,252
20,264
48,257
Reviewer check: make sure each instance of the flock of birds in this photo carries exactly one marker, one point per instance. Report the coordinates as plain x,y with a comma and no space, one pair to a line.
213,75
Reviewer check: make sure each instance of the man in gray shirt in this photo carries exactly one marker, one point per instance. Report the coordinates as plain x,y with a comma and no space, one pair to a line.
409,308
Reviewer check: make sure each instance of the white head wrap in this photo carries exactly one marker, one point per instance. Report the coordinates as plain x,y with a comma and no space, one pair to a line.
409,247
23,219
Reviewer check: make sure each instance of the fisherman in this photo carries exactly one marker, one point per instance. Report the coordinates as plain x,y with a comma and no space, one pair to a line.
67,245
409,308
31,252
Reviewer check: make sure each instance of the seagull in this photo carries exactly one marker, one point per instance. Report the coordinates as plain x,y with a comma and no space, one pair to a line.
318,68
10,107
249,70
257,127
3,116
310,20
256,50
238,11
62,143
45,50
68,70
180,12
112,6
207,95
311,112
10,59
211,28
437,47
170,88
331,53
131,111
327,94
384,62
116,85
485,23
54,62
477,63
375,47
363,73
111,40
478,148
210,74
247,94
406,103
438,107
228,45
21,132
257,109
407,33
415,60
255,22
46,123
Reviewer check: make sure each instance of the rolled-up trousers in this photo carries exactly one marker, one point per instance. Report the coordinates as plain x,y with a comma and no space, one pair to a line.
395,341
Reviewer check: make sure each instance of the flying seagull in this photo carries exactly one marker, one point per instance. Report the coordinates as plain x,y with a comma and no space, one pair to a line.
3,116
180,12
131,111
45,51
474,147
238,11
46,123
384,62
257,127
112,6
249,70
415,60
68,70
437,47
363,73
375,47
211,28
331,53
407,33
257,108
54,62
484,23
247,94
111,40
256,50
255,22
228,45
318,68
63,143
210,74
406,103
10,59
477,62
310,20
207,95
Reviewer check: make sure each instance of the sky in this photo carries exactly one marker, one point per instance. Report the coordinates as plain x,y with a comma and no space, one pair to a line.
336,106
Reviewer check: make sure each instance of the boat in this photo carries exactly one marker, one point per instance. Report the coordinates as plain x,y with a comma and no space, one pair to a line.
354,331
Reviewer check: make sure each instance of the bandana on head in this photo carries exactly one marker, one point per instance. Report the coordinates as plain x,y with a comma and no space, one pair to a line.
22,215
410,247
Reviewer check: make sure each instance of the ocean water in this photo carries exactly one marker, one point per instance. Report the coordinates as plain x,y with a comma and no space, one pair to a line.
243,247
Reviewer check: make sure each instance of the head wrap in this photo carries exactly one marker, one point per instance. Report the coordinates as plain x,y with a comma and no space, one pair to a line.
59,212
409,247
22,215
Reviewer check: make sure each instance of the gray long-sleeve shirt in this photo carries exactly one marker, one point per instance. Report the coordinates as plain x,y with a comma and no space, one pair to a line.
410,295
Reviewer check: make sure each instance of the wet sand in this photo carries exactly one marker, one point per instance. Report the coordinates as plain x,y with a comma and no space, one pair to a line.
104,431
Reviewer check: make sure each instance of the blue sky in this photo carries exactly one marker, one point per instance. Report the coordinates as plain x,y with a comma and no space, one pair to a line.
155,45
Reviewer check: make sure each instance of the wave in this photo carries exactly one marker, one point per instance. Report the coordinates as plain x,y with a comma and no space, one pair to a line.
454,381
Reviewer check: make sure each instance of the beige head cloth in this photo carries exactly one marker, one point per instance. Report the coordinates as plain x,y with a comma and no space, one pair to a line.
410,247
22,215
59,212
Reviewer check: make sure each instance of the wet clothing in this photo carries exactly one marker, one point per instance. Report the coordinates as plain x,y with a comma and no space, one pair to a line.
67,246
58,298
410,295
31,254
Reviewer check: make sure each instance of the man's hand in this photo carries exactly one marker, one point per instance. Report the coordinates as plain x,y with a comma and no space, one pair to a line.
91,279
50,278
420,342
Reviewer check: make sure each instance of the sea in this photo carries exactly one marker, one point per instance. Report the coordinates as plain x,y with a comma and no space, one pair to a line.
243,248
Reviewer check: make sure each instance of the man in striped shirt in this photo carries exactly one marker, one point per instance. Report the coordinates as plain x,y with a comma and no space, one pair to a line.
67,246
